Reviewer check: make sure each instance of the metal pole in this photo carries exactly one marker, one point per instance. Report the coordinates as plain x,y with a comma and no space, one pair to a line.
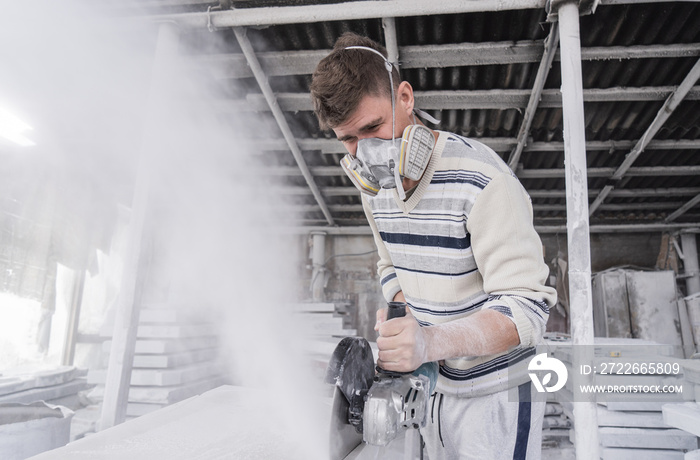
390,40
369,9
550,47
690,263
586,423
121,355
318,261
271,99
73,319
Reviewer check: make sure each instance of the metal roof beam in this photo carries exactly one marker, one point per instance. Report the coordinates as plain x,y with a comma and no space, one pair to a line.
683,209
666,110
281,120
550,46
284,63
497,99
644,171
367,9
545,194
499,144
364,230
640,171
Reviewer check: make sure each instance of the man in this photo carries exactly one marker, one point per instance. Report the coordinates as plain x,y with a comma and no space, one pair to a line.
460,248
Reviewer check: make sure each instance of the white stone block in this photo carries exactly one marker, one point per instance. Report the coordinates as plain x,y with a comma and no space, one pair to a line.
174,331
685,416
612,453
26,378
647,438
46,393
611,418
161,377
174,359
161,346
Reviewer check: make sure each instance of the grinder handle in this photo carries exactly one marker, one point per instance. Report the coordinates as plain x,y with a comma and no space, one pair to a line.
396,310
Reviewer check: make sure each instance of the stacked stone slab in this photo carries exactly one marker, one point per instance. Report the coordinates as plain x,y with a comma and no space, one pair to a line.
59,386
630,428
176,357
62,386
322,326
686,416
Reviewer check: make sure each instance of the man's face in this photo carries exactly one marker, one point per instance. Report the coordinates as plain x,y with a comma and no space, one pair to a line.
372,118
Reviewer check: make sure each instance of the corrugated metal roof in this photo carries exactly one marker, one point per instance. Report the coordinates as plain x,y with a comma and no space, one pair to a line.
623,97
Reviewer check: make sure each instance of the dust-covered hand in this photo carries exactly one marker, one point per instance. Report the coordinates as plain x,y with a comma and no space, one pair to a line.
401,342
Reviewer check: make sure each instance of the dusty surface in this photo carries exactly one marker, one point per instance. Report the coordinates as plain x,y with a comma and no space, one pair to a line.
225,423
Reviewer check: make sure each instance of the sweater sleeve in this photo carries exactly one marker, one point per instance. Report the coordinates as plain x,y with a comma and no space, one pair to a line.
508,254
385,267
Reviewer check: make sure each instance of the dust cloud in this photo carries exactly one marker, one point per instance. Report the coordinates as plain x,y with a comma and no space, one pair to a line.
83,78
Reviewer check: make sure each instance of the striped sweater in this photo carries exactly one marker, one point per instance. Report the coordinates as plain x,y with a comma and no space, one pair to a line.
463,242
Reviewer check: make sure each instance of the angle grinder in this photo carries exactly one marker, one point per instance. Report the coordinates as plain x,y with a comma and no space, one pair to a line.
371,404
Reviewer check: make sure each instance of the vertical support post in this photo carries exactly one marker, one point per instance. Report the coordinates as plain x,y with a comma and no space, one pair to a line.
390,40
73,319
578,236
318,261
126,319
690,263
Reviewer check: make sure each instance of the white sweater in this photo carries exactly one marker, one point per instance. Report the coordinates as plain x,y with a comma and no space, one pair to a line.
462,242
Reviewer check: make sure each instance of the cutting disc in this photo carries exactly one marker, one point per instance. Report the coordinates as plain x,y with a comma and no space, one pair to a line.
343,436
351,370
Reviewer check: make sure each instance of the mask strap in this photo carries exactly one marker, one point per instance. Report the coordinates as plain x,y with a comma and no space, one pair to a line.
393,151
425,116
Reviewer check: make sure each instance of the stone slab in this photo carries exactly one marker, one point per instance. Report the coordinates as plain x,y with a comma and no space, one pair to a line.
691,370
174,315
161,346
26,378
611,418
641,406
611,453
175,359
228,422
46,393
647,438
692,455
161,377
685,416
164,395
313,307
175,331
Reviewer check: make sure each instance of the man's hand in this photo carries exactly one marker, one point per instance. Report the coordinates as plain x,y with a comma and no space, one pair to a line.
401,342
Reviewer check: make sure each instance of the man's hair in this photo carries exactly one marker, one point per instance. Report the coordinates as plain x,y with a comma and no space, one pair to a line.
345,76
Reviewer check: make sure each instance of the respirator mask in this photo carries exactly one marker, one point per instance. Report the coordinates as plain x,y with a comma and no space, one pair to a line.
383,163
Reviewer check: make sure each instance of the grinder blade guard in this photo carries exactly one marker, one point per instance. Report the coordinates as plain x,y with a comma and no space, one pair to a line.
395,403
376,402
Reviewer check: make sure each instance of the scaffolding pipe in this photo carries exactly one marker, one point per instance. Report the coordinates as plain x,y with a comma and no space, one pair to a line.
578,237
663,114
550,48
683,209
370,9
691,268
271,99
318,265
390,40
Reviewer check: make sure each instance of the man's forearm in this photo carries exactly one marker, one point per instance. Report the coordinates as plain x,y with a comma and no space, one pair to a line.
484,333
